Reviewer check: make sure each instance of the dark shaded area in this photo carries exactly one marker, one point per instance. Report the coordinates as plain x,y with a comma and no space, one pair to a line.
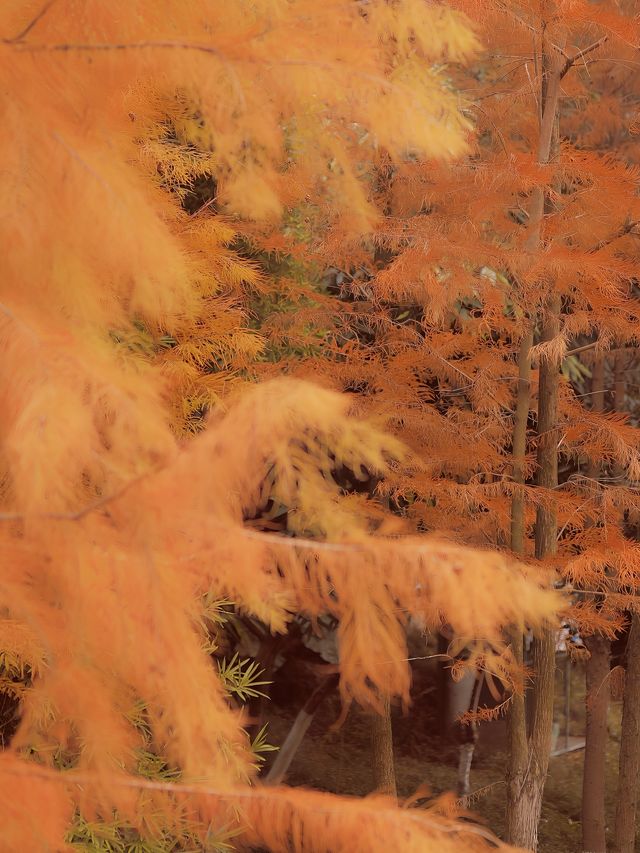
9,718
202,192
336,758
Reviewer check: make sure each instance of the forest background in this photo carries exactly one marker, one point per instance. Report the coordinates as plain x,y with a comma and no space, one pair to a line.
421,218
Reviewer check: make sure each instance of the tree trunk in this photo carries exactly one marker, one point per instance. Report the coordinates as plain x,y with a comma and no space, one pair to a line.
593,779
298,730
518,747
384,774
525,790
516,719
627,799
526,812
597,696
469,737
519,442
619,381
529,756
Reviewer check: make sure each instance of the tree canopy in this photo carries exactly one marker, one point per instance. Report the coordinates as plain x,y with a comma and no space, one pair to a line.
165,376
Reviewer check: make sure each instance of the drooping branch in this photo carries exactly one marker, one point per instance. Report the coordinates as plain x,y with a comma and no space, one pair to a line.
390,825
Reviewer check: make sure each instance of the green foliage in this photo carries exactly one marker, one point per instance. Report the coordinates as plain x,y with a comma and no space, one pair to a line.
574,370
260,745
241,677
119,837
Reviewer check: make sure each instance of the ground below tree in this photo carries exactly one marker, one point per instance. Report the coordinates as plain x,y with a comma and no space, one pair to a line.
339,760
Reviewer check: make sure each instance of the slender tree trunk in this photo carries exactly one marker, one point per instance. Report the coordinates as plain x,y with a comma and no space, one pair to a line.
597,399
518,749
298,730
516,720
597,696
544,651
629,764
524,812
593,779
529,754
629,768
519,442
384,773
619,381
469,735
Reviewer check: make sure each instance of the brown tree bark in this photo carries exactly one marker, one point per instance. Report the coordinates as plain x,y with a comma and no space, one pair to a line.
516,719
593,778
384,774
529,752
597,696
629,767
519,441
629,762
525,813
525,790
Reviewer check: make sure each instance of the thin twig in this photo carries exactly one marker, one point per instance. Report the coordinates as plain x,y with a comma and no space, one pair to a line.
103,47
576,350
465,801
509,11
466,376
86,166
535,95
18,38
203,207
495,127
81,513
84,47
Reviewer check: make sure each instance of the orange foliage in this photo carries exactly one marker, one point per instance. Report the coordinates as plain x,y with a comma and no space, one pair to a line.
434,300
113,302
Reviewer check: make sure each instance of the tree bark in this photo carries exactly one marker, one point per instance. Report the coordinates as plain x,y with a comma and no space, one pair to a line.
593,779
526,779
597,695
469,737
519,442
384,773
525,815
619,381
525,791
518,748
298,730
629,767
629,762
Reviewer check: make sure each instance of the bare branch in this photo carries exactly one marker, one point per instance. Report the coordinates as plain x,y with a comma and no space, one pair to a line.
570,61
590,48
581,349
